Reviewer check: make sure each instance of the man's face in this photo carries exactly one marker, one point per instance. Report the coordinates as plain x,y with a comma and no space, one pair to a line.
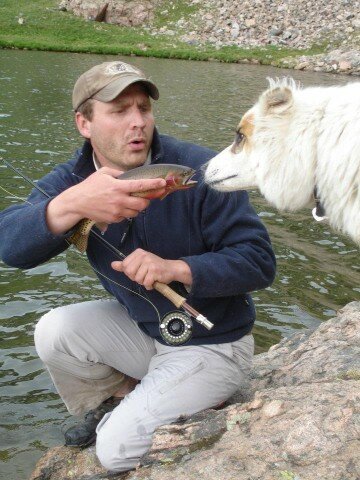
120,131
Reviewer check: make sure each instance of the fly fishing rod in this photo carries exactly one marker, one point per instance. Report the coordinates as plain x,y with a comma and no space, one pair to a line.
175,327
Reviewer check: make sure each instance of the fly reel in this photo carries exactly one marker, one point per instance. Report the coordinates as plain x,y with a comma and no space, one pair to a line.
176,328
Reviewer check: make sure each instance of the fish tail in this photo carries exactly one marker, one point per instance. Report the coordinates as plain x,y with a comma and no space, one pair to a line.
80,237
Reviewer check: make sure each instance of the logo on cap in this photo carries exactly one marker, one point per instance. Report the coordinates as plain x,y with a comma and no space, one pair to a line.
119,67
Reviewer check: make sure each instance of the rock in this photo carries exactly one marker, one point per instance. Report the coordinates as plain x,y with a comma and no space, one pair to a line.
287,35
250,23
100,17
298,420
273,408
275,32
173,442
301,66
68,463
343,66
235,30
62,6
333,61
294,24
120,12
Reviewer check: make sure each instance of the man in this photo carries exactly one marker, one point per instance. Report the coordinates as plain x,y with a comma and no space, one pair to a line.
107,357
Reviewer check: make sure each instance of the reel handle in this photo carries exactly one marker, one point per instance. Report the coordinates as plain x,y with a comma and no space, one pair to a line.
180,302
170,294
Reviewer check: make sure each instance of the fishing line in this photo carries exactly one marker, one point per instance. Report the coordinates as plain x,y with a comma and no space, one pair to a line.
121,256
129,289
107,244
15,196
22,175
175,327
111,247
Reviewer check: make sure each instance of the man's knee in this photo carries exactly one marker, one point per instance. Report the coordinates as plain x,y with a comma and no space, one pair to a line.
114,453
122,439
48,332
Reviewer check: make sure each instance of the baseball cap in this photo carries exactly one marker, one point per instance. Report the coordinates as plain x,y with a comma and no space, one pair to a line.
106,81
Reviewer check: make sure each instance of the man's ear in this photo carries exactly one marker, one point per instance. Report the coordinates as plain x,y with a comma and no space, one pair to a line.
83,124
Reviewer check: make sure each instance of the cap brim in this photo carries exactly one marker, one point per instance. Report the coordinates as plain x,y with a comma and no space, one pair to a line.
118,85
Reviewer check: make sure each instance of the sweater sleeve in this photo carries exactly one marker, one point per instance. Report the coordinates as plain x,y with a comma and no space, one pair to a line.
25,240
240,258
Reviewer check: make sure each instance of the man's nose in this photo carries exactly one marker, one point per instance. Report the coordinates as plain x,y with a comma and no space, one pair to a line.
137,118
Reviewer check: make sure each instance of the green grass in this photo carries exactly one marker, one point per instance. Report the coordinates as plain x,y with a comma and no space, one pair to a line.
350,375
47,28
286,475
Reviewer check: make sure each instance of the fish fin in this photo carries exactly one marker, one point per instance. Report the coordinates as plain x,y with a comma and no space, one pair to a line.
149,194
169,190
165,195
171,181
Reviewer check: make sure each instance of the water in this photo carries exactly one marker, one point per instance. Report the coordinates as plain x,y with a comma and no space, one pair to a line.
318,270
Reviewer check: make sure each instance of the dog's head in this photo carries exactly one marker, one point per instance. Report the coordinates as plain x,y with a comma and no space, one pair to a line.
272,151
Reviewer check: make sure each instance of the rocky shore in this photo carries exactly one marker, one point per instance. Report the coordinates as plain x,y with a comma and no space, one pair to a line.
297,419
296,24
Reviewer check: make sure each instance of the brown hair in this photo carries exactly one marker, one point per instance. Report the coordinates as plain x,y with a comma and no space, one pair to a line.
86,108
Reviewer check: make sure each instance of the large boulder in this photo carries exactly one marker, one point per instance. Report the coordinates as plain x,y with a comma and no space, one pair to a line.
298,420
120,12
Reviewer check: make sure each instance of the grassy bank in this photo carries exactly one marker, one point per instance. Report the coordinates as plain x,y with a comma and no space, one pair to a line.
44,27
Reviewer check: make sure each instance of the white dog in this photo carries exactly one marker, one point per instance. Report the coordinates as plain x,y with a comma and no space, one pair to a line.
295,142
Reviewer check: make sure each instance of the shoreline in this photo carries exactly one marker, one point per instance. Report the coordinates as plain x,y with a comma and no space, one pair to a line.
44,26
336,61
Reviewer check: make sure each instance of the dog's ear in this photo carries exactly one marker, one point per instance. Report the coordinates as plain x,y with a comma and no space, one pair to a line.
276,100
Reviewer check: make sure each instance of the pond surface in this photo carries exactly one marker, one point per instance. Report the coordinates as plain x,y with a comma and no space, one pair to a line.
318,270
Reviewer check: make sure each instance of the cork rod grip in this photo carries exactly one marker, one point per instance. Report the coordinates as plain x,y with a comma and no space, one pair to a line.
170,294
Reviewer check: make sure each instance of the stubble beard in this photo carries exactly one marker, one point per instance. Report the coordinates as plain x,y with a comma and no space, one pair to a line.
121,157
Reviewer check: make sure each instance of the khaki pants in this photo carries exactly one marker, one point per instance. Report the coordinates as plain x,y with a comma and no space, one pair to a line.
87,347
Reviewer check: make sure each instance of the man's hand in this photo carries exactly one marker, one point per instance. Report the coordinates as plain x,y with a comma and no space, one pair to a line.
146,268
100,197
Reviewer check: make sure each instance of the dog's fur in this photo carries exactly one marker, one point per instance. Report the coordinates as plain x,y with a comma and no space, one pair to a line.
294,140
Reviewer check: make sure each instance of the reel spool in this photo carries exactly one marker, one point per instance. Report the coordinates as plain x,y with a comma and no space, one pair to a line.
176,328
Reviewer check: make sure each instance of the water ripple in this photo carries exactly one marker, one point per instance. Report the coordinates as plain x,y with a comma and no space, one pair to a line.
318,270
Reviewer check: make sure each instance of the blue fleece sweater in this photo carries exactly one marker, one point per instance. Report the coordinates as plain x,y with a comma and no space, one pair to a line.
218,235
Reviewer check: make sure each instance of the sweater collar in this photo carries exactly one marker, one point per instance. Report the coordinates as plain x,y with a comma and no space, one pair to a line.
84,165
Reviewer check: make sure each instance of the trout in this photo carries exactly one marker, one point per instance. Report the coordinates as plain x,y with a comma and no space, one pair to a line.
178,177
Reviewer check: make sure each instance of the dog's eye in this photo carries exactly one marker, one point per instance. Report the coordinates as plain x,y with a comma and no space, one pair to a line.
239,137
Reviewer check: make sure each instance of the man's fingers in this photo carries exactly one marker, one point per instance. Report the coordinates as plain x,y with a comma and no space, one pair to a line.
117,265
149,282
136,185
110,171
138,268
133,212
102,226
132,186
141,274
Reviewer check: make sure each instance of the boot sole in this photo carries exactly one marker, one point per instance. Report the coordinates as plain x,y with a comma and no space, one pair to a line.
82,445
